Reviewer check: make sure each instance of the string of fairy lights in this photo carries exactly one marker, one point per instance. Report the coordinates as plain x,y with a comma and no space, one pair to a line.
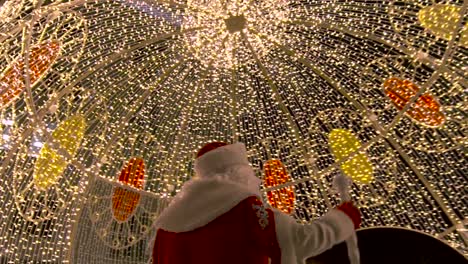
104,103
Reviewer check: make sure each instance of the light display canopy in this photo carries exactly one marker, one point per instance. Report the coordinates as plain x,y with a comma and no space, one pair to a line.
104,104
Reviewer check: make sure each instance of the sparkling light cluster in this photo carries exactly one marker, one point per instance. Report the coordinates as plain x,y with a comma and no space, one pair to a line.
224,27
105,103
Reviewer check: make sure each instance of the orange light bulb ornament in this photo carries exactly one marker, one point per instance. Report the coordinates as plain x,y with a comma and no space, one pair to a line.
276,174
425,110
41,58
124,202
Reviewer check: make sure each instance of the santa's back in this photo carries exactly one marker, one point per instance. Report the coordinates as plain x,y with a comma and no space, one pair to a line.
244,234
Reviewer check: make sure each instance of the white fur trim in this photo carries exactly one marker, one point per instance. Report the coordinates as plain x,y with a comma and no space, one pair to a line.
221,159
200,202
300,242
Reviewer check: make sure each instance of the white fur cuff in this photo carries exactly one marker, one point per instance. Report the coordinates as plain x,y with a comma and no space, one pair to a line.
220,160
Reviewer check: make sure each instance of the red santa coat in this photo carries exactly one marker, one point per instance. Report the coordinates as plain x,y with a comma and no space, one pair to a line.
213,221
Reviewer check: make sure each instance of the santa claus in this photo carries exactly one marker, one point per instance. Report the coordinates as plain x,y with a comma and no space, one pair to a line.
219,218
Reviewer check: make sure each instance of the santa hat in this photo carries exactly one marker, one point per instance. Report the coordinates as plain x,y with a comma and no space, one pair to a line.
217,158
210,146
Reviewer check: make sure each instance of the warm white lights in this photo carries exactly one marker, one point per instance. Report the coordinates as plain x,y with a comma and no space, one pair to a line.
103,104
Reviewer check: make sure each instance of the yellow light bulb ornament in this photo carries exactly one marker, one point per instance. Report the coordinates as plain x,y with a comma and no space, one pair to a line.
50,164
343,143
442,20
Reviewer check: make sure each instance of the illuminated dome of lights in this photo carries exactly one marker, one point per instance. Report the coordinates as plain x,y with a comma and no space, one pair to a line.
105,102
